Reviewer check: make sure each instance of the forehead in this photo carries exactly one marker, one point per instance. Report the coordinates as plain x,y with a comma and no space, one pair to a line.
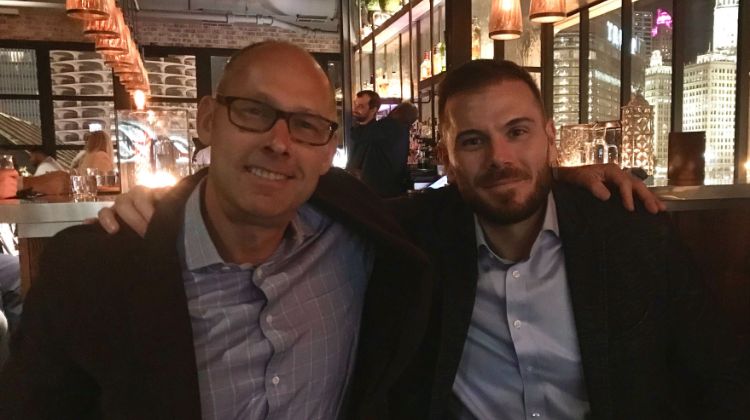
497,102
290,82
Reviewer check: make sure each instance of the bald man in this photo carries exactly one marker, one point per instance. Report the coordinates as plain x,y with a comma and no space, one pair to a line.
244,299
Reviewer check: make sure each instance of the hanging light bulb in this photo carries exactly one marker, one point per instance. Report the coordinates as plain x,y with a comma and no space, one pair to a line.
547,11
139,98
88,9
505,20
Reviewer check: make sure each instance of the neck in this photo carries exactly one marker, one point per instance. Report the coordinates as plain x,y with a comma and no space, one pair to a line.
238,238
513,241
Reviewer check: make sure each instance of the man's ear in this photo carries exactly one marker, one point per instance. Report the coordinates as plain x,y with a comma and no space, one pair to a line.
205,119
551,133
329,153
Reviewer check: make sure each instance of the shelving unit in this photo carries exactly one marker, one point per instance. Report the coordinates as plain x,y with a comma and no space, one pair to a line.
80,73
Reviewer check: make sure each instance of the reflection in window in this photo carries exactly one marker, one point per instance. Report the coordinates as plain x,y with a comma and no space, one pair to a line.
526,50
481,44
79,73
18,71
651,70
710,83
565,99
605,41
73,119
180,110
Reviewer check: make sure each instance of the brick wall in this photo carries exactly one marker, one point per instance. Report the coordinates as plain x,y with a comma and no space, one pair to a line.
53,25
41,25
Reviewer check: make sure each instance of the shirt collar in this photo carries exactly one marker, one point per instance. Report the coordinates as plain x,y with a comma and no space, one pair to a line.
200,250
549,225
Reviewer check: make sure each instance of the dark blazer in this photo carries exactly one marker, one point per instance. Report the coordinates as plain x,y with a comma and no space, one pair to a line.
106,333
652,342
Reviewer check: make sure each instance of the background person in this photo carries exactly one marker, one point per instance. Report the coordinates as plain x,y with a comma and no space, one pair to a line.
97,153
380,149
43,161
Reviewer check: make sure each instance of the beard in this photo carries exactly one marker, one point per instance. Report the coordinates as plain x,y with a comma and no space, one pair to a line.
503,208
359,119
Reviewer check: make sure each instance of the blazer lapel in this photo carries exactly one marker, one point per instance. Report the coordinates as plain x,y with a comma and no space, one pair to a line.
396,309
458,272
585,252
160,319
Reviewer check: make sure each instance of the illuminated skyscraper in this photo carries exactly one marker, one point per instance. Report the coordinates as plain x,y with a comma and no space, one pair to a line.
661,33
642,23
709,94
658,93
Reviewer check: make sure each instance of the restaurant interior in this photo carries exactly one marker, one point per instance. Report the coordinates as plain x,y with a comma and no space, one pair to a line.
658,86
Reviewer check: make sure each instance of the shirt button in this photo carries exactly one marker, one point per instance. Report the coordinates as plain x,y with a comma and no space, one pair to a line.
275,380
517,324
516,274
259,272
269,318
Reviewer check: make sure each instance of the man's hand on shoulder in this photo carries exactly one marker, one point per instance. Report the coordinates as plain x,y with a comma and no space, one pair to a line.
595,178
135,208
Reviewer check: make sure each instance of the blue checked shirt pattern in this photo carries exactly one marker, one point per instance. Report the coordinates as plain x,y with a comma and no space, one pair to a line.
521,359
278,340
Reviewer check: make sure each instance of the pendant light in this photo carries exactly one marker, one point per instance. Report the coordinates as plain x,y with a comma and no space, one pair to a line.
108,28
88,9
547,11
505,20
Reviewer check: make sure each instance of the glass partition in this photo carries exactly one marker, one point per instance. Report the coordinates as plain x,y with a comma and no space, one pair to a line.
566,98
605,41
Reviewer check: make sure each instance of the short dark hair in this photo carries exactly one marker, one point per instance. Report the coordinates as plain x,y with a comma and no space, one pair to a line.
405,112
374,98
39,149
478,74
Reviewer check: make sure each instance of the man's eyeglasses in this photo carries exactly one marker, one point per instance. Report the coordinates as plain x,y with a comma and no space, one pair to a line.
259,117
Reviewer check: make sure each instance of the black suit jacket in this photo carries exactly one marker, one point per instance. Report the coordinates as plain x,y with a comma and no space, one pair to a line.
106,331
379,152
653,344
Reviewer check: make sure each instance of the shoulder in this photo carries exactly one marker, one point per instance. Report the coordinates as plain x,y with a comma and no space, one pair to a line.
577,207
428,207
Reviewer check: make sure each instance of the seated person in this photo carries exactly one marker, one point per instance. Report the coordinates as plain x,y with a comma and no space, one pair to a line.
43,161
97,153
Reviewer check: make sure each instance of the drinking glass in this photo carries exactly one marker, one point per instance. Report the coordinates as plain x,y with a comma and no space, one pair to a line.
6,162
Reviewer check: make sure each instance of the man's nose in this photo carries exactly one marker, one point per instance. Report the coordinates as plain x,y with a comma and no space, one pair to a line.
501,150
281,138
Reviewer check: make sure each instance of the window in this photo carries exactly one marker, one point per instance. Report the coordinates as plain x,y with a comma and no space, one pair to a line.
605,42
19,98
651,70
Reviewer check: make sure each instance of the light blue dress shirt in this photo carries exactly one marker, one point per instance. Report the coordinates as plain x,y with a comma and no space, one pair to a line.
276,340
521,359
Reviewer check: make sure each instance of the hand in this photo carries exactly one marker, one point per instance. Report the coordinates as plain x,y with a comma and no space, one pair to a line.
51,183
8,183
595,177
135,208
